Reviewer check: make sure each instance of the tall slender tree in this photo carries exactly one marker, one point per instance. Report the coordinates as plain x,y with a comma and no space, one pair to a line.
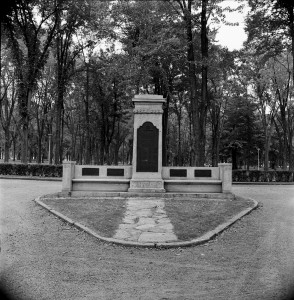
7,100
30,28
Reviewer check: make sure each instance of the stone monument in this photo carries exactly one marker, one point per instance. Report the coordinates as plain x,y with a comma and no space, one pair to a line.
147,146
146,174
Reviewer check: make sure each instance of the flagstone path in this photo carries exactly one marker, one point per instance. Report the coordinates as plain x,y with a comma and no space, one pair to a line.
146,221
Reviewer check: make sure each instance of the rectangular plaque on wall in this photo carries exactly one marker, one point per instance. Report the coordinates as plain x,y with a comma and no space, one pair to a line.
178,173
90,171
202,173
115,172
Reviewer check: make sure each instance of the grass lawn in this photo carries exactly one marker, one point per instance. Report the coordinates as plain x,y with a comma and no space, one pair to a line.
190,218
193,218
101,215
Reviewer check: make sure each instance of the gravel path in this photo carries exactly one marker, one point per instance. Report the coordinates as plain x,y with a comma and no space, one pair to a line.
44,258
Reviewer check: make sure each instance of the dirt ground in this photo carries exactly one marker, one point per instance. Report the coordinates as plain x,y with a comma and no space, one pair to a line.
44,258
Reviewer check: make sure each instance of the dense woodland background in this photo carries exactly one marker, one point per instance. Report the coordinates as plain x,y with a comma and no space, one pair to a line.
69,69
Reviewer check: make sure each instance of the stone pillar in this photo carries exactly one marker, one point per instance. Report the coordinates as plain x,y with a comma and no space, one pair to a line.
68,170
225,171
147,144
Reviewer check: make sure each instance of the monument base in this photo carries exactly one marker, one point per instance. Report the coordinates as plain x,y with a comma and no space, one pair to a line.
146,185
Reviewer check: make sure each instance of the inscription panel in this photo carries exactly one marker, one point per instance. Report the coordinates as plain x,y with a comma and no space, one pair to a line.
178,173
148,184
115,172
202,173
90,171
147,148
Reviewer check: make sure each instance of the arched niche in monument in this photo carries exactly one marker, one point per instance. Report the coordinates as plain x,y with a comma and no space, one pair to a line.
147,148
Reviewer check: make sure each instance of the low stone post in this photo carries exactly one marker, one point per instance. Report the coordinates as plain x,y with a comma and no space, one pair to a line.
68,170
225,171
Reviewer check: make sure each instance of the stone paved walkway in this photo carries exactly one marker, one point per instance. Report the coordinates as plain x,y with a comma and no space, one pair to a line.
146,221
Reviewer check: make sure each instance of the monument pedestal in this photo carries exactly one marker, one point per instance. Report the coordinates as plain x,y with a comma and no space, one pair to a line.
147,146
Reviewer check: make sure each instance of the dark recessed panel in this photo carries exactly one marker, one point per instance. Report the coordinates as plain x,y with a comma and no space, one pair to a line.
202,173
178,173
90,171
147,148
115,172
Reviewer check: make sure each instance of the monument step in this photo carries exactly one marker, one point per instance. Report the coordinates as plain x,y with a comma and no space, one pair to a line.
146,190
192,182
101,180
180,195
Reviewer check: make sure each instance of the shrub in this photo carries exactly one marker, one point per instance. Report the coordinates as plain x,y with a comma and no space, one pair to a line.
31,170
262,176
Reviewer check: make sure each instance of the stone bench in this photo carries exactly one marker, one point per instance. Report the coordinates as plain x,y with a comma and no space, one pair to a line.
119,179
122,185
100,184
193,186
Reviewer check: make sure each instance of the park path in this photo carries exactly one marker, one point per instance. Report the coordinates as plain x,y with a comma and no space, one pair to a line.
146,221
44,258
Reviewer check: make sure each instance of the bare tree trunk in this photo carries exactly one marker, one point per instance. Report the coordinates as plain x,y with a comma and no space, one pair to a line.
215,147
116,145
164,130
204,72
6,145
24,143
24,112
102,150
266,153
215,128
268,135
14,137
58,117
291,158
285,137
39,157
180,160
81,149
88,150
291,21
234,159
193,87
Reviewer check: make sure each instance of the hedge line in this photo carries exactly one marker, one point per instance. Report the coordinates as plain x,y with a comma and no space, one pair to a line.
56,171
31,170
262,176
